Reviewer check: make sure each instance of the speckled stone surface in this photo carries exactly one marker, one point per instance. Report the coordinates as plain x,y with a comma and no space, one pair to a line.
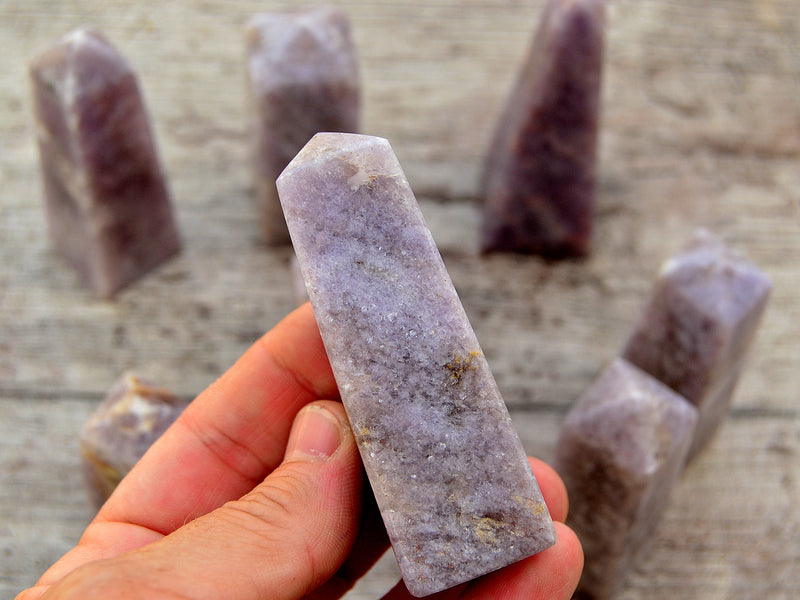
108,207
133,415
303,78
298,283
449,473
620,451
539,181
698,325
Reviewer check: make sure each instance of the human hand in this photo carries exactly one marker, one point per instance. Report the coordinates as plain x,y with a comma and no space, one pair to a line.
256,492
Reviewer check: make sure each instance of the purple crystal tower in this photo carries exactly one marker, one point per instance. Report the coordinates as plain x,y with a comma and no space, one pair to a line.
698,326
621,449
539,180
108,207
303,76
133,415
449,473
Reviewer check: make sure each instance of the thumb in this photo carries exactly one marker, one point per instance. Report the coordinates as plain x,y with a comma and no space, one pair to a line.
282,540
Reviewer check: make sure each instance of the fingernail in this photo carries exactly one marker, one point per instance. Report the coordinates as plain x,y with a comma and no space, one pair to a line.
316,434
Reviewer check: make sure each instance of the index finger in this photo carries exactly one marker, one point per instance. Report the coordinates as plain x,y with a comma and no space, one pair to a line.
232,435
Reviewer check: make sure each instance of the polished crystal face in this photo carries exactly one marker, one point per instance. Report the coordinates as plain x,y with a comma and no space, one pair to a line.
303,78
620,451
108,206
698,325
539,181
133,415
449,473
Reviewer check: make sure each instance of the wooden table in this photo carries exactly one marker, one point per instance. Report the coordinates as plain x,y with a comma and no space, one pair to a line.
701,127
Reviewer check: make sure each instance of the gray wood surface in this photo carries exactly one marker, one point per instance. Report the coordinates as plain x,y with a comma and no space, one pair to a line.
701,127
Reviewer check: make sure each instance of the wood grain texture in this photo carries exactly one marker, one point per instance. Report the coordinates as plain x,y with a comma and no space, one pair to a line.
701,127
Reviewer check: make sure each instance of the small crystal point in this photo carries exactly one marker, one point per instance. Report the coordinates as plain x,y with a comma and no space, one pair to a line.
449,473
133,415
539,179
620,451
695,333
303,78
108,207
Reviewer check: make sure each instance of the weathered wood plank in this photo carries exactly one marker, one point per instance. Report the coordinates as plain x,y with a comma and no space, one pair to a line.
546,329
701,126
734,514
43,503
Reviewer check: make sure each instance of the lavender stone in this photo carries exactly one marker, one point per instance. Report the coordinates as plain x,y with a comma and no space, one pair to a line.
303,78
133,415
449,473
108,209
298,283
539,180
699,323
620,451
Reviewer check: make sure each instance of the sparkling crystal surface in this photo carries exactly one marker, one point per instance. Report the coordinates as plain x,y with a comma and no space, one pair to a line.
449,473
133,415
698,325
303,78
108,206
620,451
539,180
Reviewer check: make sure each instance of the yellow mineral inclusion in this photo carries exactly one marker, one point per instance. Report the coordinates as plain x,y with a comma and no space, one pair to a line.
486,529
536,508
461,364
